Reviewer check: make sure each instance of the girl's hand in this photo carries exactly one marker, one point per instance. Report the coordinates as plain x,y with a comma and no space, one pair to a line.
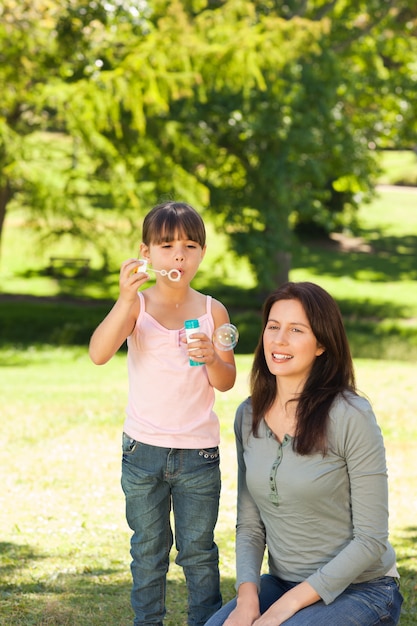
201,349
130,279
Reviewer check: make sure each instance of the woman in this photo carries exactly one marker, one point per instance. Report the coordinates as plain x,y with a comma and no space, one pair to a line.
312,479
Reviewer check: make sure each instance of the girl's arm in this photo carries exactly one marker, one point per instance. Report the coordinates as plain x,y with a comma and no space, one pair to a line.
221,368
120,321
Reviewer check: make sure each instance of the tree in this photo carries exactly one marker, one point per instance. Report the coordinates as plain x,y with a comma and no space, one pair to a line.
19,63
264,113
47,45
274,108
297,146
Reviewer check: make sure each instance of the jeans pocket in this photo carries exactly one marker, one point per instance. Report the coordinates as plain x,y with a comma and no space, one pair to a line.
129,445
210,454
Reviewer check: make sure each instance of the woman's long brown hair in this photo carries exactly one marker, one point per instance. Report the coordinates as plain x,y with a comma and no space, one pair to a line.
332,372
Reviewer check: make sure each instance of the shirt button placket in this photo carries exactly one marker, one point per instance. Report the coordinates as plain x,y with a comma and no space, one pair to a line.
273,493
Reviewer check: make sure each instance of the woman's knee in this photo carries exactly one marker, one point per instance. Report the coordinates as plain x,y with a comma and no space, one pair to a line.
222,614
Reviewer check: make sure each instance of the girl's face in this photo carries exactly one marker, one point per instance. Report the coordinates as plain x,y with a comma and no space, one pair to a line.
181,254
290,346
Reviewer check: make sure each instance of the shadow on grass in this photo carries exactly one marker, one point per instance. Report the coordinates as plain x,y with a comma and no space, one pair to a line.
71,317
378,258
102,596
405,542
387,259
68,598
37,322
65,598
13,556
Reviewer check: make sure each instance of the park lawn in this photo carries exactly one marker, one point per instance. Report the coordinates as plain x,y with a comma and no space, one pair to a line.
64,539
388,225
372,273
399,167
379,264
65,543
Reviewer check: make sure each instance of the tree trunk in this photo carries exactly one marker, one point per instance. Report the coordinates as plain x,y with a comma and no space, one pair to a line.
283,258
5,195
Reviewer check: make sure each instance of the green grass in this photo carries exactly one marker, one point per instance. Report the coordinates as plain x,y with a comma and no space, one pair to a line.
374,279
373,276
400,167
64,553
64,539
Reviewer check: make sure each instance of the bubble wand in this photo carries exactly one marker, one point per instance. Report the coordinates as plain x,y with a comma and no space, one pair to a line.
225,337
173,275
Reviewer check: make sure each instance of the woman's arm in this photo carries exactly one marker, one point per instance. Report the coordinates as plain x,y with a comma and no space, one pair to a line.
250,531
247,607
359,441
288,604
250,547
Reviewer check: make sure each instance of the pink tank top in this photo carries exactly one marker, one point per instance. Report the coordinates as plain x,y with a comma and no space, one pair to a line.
170,403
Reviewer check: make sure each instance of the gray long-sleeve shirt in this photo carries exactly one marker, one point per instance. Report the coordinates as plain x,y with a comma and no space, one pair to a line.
324,519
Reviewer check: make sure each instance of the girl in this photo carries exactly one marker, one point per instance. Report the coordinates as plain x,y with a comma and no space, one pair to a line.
171,434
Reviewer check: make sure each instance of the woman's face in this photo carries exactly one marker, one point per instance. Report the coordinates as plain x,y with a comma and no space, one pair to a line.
290,346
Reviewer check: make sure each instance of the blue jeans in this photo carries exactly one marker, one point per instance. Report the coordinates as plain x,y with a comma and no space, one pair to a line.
155,479
375,603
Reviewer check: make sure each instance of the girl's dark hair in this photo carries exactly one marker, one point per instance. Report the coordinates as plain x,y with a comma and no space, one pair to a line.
168,220
332,372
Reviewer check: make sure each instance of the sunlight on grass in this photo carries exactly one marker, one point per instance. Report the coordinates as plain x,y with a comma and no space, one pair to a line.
400,167
64,548
64,539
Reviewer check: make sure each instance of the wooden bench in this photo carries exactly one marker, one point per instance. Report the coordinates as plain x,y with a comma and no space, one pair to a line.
59,264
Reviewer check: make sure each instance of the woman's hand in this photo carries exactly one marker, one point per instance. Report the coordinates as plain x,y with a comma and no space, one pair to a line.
240,617
288,604
247,607
273,618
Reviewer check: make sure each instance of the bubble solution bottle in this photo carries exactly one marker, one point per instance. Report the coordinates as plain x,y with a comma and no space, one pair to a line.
191,327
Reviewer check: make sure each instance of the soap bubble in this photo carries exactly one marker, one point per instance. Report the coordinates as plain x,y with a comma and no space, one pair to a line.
225,337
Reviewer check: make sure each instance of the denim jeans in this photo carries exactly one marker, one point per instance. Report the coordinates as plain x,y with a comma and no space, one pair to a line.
375,603
155,480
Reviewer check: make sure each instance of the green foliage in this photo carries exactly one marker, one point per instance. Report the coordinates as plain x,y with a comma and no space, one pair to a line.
26,322
372,276
267,114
